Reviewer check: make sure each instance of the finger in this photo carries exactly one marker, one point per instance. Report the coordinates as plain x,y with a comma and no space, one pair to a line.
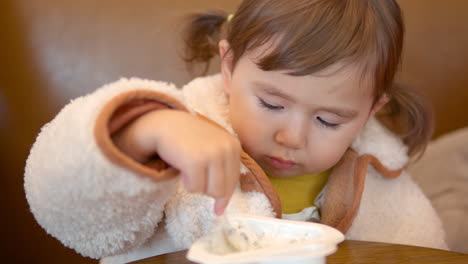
198,181
232,172
194,177
220,205
232,165
216,179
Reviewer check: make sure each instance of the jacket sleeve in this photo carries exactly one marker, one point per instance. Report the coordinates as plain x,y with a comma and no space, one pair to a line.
397,211
85,192
393,208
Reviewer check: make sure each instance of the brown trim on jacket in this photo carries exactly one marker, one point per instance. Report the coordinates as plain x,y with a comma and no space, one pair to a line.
255,179
258,181
344,189
119,112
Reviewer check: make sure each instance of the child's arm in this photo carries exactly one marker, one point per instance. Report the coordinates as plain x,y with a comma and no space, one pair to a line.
207,156
88,194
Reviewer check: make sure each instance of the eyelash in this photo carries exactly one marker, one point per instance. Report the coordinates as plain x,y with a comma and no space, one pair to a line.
327,124
268,106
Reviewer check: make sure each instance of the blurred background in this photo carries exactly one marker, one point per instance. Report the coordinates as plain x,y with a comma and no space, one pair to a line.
54,50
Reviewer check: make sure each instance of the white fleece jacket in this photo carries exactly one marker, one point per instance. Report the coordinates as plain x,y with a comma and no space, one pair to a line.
104,211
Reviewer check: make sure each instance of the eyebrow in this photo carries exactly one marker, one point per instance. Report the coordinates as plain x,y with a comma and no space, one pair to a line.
346,113
272,90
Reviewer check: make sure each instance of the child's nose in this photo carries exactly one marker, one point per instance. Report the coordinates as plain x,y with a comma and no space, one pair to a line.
292,136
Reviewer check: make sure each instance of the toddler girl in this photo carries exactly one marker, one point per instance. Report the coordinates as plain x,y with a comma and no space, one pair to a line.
287,129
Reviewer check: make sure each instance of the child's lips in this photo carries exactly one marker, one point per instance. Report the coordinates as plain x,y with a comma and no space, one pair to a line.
280,163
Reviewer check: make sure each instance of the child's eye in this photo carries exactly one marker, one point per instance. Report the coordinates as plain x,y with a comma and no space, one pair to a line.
269,106
326,123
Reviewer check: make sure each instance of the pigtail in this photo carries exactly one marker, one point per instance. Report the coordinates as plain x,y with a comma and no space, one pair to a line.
412,114
202,35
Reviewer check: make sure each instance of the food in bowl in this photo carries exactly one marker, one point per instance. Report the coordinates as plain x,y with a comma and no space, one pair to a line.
256,239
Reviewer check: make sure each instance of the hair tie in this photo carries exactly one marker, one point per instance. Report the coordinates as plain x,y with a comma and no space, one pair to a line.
229,18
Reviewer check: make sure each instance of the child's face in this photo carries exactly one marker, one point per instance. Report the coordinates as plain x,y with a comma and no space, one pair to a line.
296,125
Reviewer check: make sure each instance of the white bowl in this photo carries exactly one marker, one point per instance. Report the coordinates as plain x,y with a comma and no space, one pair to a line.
268,240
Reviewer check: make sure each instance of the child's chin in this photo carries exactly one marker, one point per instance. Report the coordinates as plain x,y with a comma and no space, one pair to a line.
283,173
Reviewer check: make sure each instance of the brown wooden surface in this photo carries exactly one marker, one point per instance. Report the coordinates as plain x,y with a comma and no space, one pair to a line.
359,252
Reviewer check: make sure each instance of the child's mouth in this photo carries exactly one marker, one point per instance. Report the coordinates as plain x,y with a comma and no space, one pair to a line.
280,163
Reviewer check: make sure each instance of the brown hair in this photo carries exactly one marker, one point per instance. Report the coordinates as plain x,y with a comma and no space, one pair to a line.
311,35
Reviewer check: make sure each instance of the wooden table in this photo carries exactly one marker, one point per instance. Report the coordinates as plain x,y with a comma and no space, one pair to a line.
358,252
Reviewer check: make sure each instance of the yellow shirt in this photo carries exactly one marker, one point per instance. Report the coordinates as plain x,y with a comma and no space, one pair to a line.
299,192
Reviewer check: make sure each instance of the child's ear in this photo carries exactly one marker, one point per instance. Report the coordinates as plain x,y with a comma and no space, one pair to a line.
379,104
226,64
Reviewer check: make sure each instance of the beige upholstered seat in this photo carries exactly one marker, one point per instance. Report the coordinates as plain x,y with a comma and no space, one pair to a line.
443,174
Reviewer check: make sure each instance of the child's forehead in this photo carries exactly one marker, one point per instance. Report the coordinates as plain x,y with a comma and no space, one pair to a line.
356,65
344,68
334,79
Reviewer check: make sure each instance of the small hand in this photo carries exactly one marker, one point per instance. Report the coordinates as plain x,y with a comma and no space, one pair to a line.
207,156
